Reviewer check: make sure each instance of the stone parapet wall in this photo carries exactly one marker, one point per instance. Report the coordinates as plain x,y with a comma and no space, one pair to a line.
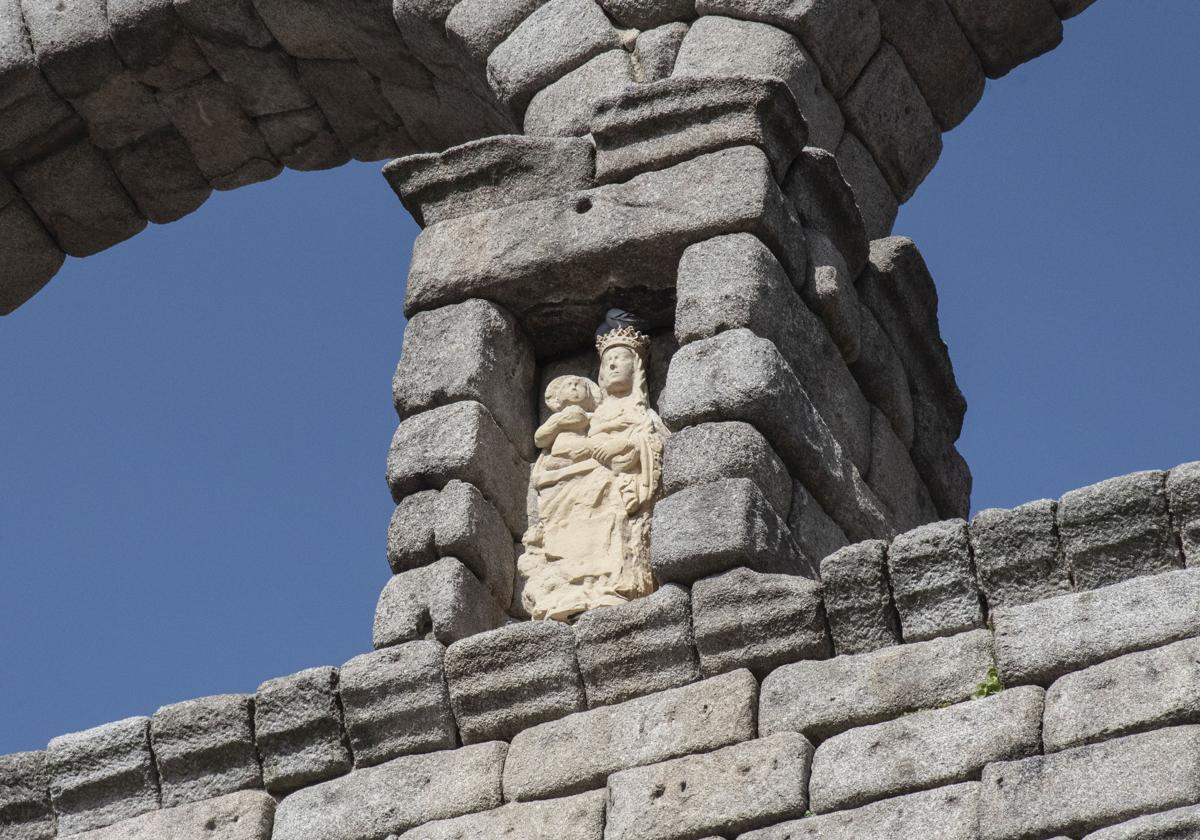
746,705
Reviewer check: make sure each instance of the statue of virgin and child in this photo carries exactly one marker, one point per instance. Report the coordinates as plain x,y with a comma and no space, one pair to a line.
596,480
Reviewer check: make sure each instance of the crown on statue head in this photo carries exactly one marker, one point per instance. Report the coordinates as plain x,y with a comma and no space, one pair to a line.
625,336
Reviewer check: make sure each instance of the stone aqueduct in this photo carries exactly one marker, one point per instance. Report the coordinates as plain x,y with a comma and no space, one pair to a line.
833,651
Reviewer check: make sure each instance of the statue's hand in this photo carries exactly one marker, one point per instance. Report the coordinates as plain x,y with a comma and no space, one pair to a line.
608,450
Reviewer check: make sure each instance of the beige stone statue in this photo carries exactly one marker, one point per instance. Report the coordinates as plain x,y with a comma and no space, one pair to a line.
596,481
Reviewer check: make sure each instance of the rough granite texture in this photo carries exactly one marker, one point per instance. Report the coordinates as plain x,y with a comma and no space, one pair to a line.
712,452
205,748
933,581
574,818
1183,495
1018,555
247,815
858,598
25,812
444,601
1176,824
298,730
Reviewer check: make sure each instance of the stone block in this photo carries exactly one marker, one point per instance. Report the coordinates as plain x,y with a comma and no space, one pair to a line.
721,46
830,293
716,527
580,751
205,748
161,176
102,775
949,813
1042,641
732,282
744,619
895,479
304,28
727,792
637,648
1090,787
882,377
298,730
459,441
714,452
246,815
395,703
1183,498
1008,34
937,54
25,812
816,534
513,678
648,14
29,255
489,173
469,351
479,26
1118,529
303,140
1018,558
655,50
872,193
587,246
658,124
227,145
443,601
355,108
842,37
1176,824
1132,693
555,39
858,599
886,111
1070,8
925,750
824,698
933,581
574,818
152,41
396,796
564,108
78,197
825,203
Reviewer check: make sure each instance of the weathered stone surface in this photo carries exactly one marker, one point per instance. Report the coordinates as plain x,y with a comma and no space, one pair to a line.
1176,824
161,176
949,813
829,292
152,42
744,619
205,748
658,124
881,376
304,28
585,246
394,797
469,351
814,531
824,698
395,703
357,112
444,601
1118,529
925,750
1039,642
1008,34
1090,787
730,282
30,257
489,173
1018,558
722,46
102,775
1183,498
728,791
716,527
858,599
575,818
246,815
303,140
1070,8
933,581
717,451
886,111
554,40
874,196
937,54
1132,693
479,26
459,441
655,50
565,107
580,751
647,14
637,648
895,479
825,203
25,812
736,375
227,145
513,678
298,729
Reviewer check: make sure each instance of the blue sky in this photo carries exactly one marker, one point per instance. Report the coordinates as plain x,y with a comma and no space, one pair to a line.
192,494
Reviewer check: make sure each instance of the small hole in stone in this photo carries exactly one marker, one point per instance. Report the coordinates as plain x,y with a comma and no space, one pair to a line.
583,205
682,787
659,790
211,825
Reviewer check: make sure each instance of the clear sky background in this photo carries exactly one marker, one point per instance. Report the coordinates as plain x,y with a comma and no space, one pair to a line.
195,423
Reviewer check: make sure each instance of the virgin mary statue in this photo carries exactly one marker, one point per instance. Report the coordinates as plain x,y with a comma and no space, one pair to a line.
596,481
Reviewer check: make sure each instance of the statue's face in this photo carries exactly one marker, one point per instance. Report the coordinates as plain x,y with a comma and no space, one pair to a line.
616,371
